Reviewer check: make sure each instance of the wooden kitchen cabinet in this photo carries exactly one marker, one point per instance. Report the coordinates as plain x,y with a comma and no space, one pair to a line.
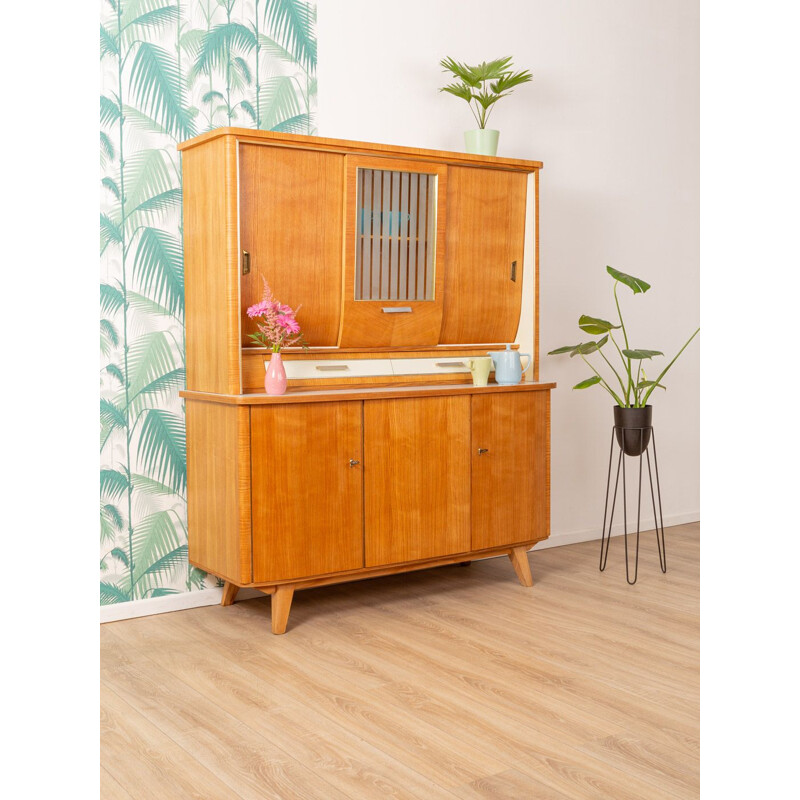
307,493
406,263
416,479
510,469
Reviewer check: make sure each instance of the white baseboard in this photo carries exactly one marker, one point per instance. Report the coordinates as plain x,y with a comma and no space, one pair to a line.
210,597
589,534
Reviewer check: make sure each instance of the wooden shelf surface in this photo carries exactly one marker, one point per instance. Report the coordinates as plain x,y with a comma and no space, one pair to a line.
366,148
362,393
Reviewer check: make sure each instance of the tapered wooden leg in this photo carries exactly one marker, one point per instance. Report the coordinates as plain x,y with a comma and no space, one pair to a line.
229,593
519,560
281,604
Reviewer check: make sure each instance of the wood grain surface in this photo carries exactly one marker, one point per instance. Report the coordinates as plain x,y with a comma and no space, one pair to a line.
510,480
290,213
485,234
416,478
447,683
307,499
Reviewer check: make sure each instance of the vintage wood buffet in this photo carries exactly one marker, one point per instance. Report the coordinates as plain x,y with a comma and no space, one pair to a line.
382,456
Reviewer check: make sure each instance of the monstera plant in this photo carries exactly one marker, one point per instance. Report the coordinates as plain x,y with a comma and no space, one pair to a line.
629,384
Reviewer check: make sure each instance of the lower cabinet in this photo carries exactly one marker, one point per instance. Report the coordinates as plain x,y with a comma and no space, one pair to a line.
286,495
510,469
307,498
416,479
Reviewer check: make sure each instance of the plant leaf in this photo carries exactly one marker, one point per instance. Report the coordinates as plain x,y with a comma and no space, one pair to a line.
111,416
586,348
158,265
636,284
595,325
110,593
566,349
292,24
594,380
646,384
111,299
279,101
109,110
639,354
156,85
113,483
162,448
461,90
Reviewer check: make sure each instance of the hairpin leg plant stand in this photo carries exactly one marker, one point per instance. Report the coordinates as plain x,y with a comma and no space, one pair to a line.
638,440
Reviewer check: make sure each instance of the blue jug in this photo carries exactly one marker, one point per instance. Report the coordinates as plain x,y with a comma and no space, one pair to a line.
508,366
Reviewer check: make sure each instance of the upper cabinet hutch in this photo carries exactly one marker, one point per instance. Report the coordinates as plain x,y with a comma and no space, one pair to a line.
382,456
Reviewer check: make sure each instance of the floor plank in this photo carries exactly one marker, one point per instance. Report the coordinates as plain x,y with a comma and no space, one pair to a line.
448,683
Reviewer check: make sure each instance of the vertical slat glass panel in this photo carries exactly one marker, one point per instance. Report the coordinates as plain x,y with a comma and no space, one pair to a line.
396,234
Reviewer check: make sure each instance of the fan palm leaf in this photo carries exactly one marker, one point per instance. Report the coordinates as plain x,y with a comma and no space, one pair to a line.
115,372
300,123
147,305
111,415
158,266
111,298
110,523
292,24
163,386
154,19
153,207
110,231
108,43
279,101
107,151
109,338
109,110
147,173
111,185
150,486
219,43
149,357
162,448
110,593
154,539
113,483
156,85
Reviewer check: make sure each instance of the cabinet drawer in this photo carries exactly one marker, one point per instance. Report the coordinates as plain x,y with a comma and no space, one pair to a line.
330,369
430,366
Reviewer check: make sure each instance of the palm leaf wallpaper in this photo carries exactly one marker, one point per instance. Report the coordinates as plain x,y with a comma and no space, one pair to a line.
169,70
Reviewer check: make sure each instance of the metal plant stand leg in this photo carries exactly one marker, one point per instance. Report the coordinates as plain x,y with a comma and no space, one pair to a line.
608,514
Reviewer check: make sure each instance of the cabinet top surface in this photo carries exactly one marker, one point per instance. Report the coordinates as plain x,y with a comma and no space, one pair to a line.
362,393
371,148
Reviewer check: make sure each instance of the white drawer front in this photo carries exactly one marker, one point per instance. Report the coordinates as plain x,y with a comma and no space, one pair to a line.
330,369
431,366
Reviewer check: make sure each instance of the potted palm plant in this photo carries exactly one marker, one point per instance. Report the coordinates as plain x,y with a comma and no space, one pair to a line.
632,415
481,87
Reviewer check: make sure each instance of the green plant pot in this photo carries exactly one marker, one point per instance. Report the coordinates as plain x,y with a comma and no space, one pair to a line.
481,142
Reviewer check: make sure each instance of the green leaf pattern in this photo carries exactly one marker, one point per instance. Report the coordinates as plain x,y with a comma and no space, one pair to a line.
169,70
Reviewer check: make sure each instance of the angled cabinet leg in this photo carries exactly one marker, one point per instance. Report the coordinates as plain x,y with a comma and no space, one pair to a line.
229,593
281,605
519,560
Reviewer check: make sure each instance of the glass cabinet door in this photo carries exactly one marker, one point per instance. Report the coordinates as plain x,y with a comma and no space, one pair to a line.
394,244
395,235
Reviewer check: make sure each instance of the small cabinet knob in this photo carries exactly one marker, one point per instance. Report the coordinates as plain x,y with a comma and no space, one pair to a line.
354,462
482,450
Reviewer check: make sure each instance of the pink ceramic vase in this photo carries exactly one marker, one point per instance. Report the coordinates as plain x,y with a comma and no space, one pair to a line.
275,379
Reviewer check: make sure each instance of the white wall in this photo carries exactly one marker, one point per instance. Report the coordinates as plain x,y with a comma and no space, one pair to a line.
613,112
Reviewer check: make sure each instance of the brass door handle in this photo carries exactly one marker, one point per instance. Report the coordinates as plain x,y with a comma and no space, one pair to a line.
354,462
482,450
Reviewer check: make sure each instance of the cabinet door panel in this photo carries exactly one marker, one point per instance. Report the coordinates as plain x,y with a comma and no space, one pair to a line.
416,478
511,481
290,219
485,234
307,499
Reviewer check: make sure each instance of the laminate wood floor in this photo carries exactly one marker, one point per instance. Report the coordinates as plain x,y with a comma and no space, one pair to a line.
447,683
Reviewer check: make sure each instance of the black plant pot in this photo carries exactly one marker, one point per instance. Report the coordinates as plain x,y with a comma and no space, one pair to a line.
633,427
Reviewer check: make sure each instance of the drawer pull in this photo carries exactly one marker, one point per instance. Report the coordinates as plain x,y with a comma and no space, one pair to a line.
397,310
354,462
482,450
451,364
332,367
